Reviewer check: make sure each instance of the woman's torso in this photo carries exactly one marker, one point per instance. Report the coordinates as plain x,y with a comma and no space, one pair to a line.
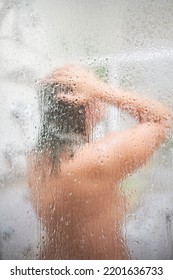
83,218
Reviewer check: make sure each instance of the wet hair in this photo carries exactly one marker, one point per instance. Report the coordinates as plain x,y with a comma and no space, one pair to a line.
62,124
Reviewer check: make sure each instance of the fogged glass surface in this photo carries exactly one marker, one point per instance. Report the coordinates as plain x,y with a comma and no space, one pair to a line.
129,45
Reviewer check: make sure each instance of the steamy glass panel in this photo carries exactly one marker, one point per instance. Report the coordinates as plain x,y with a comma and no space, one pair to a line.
66,189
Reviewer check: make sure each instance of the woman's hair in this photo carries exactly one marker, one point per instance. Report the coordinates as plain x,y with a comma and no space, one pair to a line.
63,124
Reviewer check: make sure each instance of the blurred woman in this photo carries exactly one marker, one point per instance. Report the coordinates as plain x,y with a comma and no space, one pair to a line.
74,182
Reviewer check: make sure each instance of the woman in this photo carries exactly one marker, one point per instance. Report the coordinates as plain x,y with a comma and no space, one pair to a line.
74,183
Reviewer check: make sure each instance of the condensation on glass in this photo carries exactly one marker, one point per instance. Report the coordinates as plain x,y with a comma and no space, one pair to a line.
126,43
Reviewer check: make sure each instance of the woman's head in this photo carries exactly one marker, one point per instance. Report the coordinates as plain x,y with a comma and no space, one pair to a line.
76,87
65,125
63,116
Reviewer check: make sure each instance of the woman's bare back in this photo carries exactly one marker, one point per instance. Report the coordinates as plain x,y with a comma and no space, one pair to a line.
82,218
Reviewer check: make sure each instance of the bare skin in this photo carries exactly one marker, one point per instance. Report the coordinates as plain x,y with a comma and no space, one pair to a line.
81,207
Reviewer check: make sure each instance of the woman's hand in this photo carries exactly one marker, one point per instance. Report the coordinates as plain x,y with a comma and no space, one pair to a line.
83,83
